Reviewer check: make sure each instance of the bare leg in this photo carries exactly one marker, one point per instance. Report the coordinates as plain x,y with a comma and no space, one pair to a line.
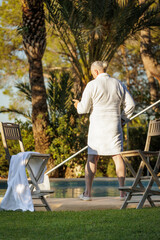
120,171
90,170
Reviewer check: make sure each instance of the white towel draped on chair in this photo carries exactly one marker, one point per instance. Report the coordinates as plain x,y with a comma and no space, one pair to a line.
18,194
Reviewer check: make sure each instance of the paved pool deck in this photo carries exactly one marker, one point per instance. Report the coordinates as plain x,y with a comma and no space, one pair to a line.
97,203
75,204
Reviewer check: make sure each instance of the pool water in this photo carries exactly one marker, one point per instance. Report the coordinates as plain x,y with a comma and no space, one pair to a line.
72,188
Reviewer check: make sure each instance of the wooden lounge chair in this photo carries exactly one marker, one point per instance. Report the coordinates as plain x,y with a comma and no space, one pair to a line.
10,131
138,190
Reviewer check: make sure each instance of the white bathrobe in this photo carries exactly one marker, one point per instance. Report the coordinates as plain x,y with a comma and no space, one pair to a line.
103,99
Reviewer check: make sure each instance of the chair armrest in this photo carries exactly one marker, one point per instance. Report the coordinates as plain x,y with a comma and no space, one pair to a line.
133,153
130,153
36,156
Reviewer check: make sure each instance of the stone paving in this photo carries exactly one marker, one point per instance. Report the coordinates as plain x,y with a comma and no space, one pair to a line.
75,204
97,203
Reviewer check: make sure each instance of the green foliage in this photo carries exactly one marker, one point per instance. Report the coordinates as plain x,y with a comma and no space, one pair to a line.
53,57
16,108
111,172
137,134
27,135
92,30
3,162
68,130
128,67
11,52
83,31
13,62
105,167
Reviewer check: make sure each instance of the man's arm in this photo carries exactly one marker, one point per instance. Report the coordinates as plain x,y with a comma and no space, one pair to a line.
84,105
128,105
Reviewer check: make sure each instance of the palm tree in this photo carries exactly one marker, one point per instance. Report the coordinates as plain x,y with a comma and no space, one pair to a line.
93,30
149,62
34,42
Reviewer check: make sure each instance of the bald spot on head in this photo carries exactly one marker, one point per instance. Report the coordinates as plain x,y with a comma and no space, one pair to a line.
98,67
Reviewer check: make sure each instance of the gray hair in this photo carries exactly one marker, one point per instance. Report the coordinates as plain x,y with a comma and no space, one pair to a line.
99,65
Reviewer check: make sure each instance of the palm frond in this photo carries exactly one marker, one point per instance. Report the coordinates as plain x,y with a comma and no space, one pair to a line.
25,89
59,93
17,111
93,30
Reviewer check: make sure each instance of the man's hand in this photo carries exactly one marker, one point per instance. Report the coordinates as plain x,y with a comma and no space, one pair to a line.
75,102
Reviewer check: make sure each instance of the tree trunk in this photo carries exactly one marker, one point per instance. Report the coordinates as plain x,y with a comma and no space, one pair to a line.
124,55
40,119
149,61
152,87
34,40
150,64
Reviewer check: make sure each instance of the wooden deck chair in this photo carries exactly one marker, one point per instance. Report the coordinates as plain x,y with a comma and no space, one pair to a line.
138,192
35,163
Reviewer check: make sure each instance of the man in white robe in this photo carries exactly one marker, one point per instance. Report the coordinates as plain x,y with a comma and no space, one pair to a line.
103,98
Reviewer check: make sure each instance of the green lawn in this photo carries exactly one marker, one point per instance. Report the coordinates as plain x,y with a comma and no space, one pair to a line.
94,225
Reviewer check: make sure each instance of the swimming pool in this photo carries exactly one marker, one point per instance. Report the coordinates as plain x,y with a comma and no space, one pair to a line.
72,188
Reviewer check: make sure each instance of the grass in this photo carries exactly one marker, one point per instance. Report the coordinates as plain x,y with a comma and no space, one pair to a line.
86,225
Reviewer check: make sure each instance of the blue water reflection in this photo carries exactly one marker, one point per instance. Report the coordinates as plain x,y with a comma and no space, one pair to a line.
72,188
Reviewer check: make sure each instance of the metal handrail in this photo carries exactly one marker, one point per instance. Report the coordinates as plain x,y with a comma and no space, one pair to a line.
51,170
147,108
75,154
